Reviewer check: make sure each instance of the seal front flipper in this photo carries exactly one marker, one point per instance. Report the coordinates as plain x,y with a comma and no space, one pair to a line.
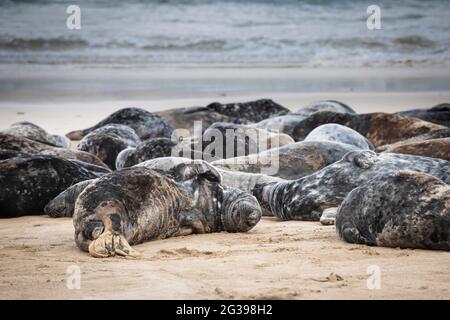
108,237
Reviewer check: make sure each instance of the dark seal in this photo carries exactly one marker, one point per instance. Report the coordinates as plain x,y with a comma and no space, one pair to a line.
306,198
399,209
108,141
144,123
28,184
134,205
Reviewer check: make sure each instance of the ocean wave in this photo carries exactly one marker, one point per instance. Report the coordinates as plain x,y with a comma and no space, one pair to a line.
204,45
414,41
58,43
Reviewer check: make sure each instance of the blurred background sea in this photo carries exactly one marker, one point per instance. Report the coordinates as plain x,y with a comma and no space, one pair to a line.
304,33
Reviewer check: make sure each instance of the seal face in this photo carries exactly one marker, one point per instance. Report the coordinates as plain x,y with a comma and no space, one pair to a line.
291,161
28,184
30,147
34,132
439,114
379,128
339,133
306,198
145,124
138,204
146,150
108,141
398,209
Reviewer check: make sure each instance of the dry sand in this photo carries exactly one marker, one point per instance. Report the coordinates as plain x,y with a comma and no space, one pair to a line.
282,260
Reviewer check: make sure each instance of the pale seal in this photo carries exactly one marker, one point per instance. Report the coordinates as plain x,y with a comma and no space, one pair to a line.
34,132
144,123
307,197
28,184
108,141
339,133
134,205
398,209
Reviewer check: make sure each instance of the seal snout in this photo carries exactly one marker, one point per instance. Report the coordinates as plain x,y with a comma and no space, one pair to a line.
241,211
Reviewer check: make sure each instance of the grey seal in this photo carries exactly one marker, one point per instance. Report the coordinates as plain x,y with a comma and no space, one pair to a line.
435,148
144,123
292,161
31,147
108,141
397,209
339,133
380,128
439,114
239,112
63,204
28,184
36,133
137,204
286,123
307,197
146,150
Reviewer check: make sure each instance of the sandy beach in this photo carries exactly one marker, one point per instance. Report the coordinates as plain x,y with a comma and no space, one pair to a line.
275,260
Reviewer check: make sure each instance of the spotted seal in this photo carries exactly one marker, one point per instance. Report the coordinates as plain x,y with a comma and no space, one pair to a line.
146,150
36,133
439,114
292,161
108,141
144,123
64,203
30,147
241,113
28,184
286,123
138,204
397,209
307,197
339,133
380,128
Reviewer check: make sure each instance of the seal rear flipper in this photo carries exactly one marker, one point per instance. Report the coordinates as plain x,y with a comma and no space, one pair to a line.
197,168
363,159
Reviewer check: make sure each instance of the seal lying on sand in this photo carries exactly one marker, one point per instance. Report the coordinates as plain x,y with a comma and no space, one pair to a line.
145,124
379,128
402,209
292,161
30,147
106,142
228,140
146,150
439,114
339,133
435,148
28,184
306,198
34,132
137,204
63,204
287,123
244,112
